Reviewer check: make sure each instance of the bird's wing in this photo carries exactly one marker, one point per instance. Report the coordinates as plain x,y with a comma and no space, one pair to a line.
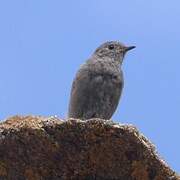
82,89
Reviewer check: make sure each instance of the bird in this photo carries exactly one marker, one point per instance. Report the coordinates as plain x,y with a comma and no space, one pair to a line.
98,84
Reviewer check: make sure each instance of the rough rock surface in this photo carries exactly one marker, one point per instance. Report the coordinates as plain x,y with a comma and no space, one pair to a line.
37,148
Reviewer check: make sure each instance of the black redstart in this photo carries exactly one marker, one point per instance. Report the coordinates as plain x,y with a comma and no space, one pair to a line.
98,84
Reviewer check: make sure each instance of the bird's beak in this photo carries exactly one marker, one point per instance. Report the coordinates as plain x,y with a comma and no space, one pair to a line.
129,48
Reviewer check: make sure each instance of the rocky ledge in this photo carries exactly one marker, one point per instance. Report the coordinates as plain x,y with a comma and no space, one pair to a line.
38,148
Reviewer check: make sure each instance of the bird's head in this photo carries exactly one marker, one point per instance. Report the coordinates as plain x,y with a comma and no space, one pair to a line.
114,50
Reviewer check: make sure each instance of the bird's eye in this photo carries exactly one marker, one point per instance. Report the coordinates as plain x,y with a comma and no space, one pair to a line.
111,46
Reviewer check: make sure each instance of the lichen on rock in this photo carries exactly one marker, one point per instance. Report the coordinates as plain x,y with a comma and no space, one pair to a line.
34,147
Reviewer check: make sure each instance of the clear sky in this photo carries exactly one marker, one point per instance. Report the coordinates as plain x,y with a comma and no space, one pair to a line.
43,43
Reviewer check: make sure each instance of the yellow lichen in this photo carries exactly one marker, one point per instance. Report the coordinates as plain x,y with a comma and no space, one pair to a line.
3,171
139,171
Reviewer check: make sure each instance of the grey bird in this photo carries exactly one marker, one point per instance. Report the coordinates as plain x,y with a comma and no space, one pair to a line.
98,84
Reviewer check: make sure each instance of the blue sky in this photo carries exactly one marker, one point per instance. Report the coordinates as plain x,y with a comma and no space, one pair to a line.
43,43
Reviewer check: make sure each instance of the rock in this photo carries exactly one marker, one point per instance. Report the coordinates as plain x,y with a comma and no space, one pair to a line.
38,148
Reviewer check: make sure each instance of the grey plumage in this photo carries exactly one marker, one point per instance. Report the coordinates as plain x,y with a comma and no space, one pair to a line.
98,84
